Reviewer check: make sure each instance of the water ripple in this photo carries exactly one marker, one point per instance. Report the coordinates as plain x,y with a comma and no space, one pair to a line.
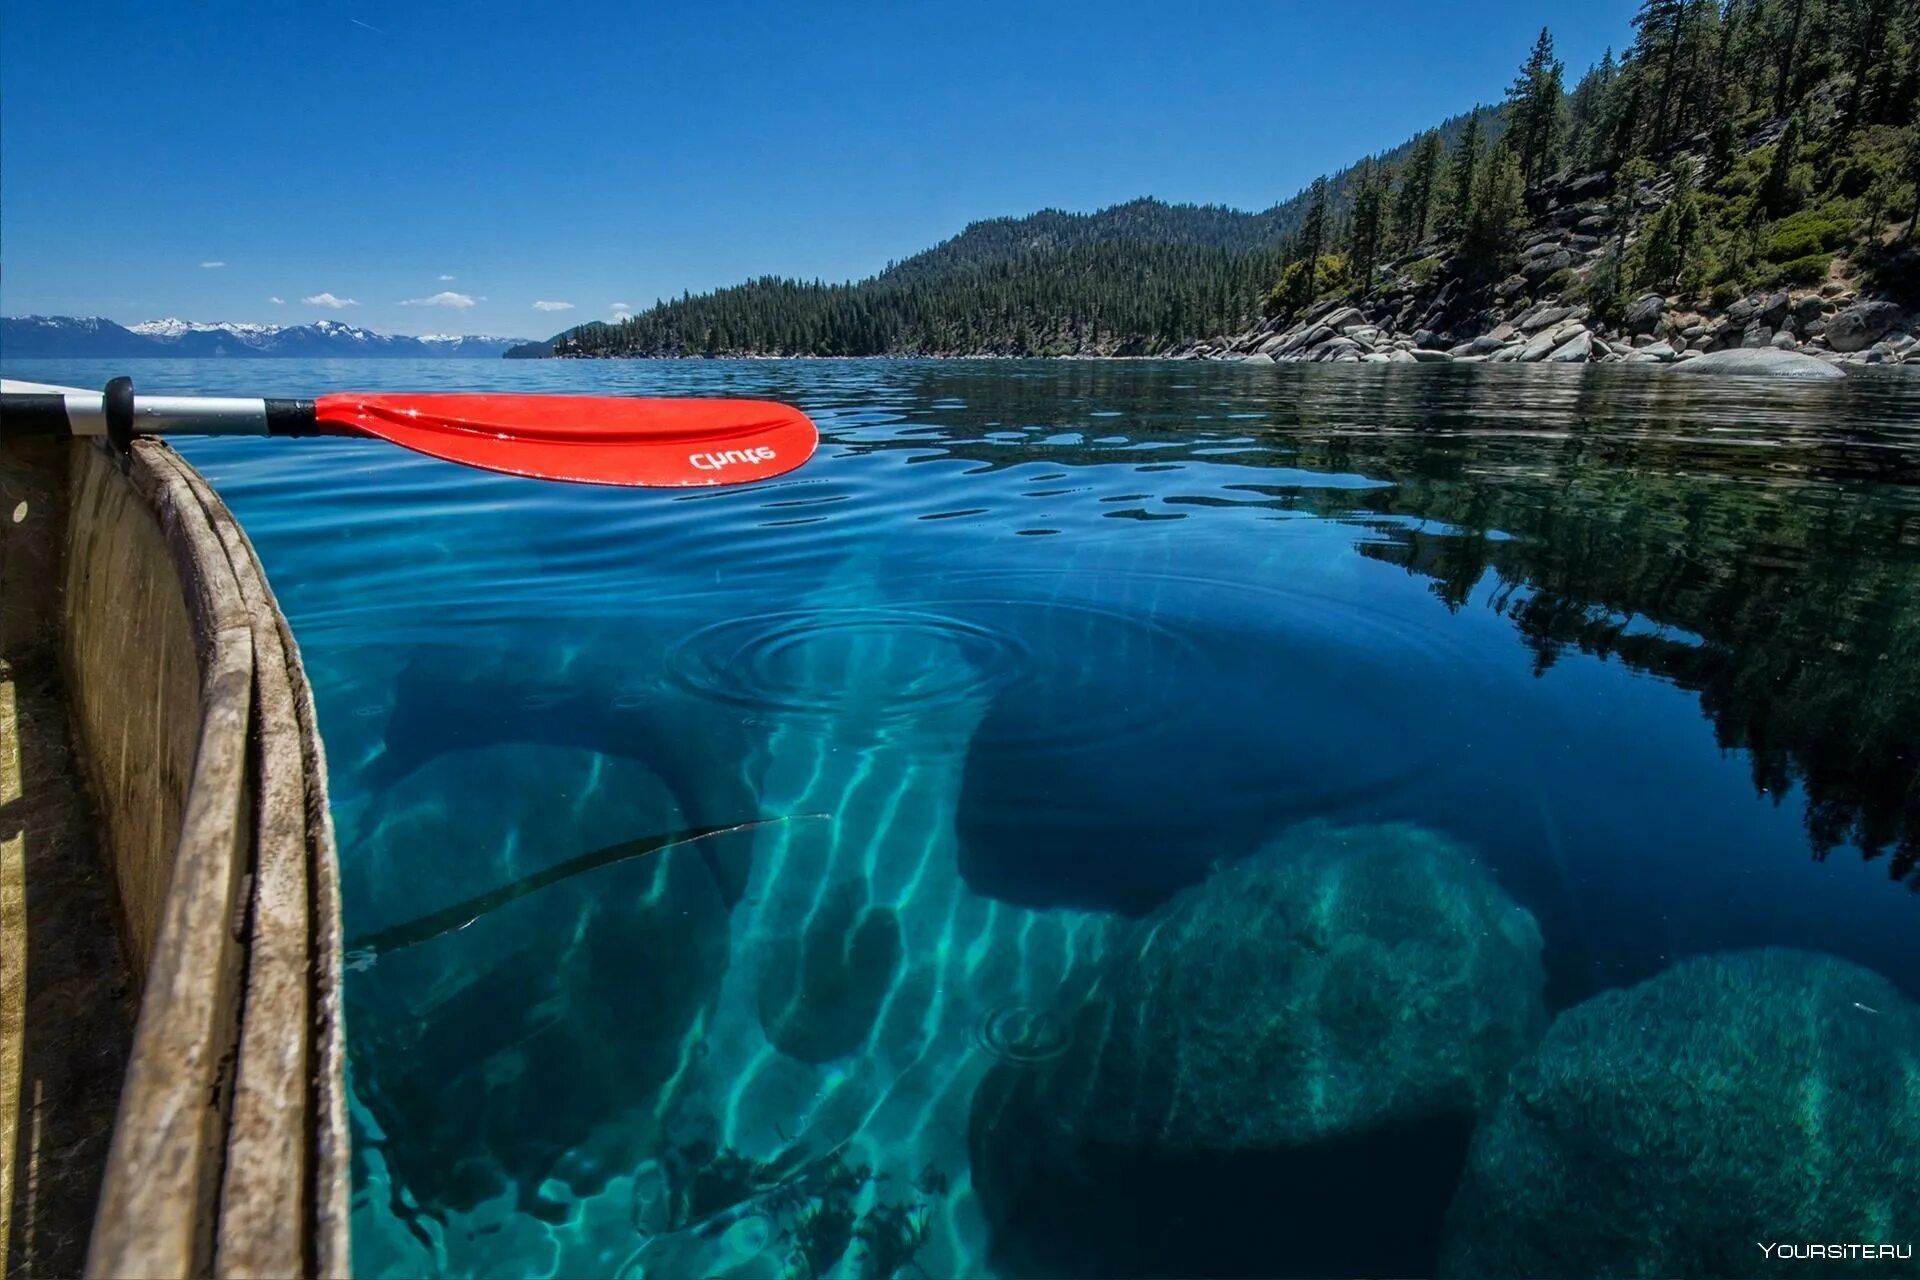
896,663
1022,1035
808,661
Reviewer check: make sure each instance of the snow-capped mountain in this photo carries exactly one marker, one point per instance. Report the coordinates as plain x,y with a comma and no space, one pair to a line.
54,337
70,335
171,328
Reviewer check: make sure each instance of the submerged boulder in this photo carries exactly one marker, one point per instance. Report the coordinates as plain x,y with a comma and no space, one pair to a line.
1304,1036
1066,798
1761,1096
697,746
1762,362
822,992
541,1042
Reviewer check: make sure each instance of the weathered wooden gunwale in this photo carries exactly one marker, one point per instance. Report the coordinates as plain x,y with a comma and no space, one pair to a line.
194,727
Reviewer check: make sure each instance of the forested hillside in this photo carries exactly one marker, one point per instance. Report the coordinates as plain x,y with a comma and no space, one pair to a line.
1112,296
1735,145
1208,226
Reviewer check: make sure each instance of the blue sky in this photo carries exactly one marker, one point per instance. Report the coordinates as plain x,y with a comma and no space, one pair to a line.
419,157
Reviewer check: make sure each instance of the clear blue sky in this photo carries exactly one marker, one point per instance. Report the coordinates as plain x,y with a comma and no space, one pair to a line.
600,153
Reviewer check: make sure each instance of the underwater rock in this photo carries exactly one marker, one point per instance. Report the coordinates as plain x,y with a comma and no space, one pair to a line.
699,750
822,992
1302,1038
1070,796
1757,1096
538,1042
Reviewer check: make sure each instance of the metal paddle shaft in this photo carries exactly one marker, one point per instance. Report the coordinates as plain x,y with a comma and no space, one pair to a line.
614,440
33,409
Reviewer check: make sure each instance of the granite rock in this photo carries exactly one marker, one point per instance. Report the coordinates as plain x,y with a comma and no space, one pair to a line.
1664,1129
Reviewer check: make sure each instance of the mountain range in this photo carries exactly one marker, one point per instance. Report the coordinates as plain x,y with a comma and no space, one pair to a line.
57,337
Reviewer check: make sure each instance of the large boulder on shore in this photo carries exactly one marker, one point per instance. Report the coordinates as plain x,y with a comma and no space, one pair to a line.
1546,262
1758,362
1544,342
1861,325
1677,1127
1646,315
1575,350
1302,1038
1768,309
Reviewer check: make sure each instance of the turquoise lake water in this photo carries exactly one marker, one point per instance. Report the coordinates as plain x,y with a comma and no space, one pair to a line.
1223,820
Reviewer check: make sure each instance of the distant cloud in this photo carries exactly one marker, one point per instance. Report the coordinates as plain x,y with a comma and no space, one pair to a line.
209,266
328,300
621,309
278,302
446,277
446,298
553,306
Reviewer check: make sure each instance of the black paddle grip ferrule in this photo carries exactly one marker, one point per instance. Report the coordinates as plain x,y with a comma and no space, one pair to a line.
291,418
119,411
33,413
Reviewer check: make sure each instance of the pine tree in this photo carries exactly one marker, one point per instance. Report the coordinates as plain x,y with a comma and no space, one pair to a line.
1495,212
1366,232
1901,98
1867,44
1413,203
1607,286
1623,122
1673,239
1465,163
1912,164
1698,91
1658,29
1776,189
1313,235
1535,108
1789,47
1586,108
1723,149
1882,198
1734,22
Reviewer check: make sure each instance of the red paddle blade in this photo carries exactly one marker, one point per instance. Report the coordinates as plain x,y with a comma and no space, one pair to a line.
589,439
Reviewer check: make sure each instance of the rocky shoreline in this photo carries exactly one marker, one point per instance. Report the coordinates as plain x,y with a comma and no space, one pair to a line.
1659,330
1537,314
1521,319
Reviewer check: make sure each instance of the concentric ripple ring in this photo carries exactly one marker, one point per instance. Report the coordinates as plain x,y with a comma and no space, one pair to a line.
891,663
1016,1033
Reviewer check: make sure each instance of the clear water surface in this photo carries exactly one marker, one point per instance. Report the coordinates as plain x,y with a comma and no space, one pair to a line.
1226,821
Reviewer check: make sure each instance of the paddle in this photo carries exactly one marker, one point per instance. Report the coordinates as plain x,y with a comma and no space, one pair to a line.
588,439
361,952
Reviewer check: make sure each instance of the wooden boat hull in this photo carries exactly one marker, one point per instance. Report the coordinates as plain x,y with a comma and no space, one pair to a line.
194,732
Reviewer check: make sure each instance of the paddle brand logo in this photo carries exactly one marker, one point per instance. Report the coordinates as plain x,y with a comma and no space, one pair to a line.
715,461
